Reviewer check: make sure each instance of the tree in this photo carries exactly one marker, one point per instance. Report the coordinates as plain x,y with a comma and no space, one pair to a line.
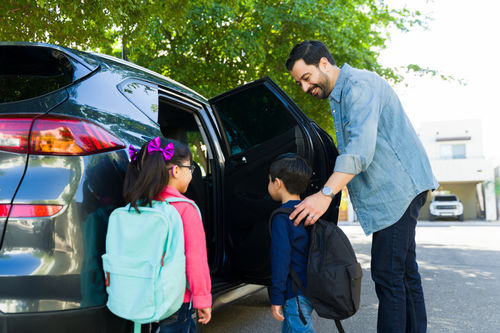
213,46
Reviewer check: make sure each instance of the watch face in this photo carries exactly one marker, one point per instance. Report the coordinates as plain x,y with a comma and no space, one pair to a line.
326,190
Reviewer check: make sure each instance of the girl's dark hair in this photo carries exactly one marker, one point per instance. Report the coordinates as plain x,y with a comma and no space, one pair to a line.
293,170
311,51
147,175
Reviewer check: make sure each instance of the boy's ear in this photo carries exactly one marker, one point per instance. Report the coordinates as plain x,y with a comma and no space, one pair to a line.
278,183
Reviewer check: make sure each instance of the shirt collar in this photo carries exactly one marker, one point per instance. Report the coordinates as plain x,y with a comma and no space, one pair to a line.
339,85
290,203
167,192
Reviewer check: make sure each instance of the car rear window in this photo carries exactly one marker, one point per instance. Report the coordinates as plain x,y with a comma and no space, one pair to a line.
31,71
445,198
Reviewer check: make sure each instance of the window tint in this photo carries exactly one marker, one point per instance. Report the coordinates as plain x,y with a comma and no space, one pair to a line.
143,95
27,71
178,123
252,117
446,198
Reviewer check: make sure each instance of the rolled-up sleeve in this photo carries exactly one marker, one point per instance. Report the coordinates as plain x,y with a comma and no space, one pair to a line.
361,105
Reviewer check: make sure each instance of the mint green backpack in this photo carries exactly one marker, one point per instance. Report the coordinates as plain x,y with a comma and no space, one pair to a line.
144,263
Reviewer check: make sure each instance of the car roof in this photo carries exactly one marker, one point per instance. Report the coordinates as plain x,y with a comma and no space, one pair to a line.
93,59
152,76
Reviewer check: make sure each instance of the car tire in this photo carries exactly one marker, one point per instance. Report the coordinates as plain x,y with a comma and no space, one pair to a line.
461,217
431,217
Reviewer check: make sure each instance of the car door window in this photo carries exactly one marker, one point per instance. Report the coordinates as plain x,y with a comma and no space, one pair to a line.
143,95
253,118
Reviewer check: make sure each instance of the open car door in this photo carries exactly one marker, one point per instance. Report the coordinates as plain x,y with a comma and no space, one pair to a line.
259,123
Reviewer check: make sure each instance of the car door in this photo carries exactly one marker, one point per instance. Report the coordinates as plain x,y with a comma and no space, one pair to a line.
261,122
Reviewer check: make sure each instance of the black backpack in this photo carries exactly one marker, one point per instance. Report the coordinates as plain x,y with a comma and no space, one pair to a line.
333,273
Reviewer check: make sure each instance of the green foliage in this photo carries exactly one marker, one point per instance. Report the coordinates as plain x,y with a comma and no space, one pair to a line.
420,71
213,46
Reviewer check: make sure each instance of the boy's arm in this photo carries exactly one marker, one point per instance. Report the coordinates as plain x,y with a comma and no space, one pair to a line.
281,250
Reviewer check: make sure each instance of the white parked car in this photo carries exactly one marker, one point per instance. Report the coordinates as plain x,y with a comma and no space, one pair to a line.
446,205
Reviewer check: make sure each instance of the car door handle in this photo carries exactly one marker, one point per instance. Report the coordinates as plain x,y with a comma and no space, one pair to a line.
239,160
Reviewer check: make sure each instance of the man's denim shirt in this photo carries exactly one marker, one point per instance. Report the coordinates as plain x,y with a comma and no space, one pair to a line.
377,143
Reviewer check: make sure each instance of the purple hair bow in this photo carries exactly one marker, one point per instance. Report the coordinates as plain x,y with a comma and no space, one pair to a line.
132,152
155,145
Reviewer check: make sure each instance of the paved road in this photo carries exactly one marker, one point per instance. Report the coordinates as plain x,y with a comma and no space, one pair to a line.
460,267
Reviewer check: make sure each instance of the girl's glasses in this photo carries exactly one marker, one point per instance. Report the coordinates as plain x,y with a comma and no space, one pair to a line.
191,167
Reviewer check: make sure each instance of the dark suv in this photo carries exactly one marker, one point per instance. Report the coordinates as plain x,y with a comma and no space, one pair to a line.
66,120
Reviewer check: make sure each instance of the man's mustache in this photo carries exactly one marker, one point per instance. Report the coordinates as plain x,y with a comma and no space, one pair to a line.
311,89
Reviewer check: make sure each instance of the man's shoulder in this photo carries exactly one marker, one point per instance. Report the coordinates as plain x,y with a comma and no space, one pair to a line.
361,76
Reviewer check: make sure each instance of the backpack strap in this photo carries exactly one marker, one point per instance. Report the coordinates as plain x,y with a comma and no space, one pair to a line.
176,199
137,327
297,283
339,326
281,210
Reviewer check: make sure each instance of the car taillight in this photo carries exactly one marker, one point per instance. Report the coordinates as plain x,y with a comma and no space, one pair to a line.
54,135
14,133
25,210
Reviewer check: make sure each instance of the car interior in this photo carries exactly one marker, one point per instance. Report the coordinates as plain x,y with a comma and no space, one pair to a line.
178,122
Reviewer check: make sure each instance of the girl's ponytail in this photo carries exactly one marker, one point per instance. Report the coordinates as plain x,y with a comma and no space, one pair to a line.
147,174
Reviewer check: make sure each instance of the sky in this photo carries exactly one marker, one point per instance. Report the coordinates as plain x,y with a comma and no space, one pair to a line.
461,40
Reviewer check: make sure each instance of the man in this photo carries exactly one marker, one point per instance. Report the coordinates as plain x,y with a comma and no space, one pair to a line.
385,167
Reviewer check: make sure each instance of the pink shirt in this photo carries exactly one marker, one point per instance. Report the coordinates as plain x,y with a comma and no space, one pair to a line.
197,272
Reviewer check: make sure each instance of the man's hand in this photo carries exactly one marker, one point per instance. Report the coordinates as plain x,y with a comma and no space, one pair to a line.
310,209
277,312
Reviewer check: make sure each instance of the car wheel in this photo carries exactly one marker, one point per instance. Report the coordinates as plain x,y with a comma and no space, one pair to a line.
431,217
461,217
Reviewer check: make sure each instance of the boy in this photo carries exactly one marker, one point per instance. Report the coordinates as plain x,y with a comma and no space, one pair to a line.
289,176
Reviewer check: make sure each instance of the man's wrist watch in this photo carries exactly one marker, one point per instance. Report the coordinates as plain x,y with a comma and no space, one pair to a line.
326,190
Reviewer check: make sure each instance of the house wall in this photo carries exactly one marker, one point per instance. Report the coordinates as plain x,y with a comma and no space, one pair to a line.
470,175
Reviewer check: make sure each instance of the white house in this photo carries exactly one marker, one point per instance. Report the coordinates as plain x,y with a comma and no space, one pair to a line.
455,150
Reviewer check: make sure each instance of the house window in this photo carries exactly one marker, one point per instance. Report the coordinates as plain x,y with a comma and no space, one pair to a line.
452,152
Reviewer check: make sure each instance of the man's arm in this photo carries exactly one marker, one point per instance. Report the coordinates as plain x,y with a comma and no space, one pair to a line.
314,206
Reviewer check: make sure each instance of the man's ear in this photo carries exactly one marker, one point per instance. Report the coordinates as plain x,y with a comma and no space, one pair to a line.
324,64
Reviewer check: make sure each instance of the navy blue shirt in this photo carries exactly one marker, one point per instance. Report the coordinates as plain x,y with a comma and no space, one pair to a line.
289,245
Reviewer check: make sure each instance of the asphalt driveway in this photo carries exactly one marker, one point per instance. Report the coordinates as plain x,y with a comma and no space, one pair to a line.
460,266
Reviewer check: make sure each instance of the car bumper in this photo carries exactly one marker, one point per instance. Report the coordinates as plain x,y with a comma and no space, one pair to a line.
87,320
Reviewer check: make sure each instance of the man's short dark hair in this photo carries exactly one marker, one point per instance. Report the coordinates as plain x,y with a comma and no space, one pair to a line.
293,170
311,51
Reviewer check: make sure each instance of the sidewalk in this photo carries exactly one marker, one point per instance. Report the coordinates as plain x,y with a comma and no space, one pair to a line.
427,223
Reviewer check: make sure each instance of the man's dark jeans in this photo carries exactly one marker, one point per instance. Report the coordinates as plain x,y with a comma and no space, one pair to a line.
395,273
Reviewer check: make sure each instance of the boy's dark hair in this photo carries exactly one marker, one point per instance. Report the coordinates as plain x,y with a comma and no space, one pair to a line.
293,170
311,51
147,175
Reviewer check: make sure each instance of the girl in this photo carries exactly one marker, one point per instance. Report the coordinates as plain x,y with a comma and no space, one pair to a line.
160,170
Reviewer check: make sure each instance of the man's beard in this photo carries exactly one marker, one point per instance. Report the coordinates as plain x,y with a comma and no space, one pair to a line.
322,87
